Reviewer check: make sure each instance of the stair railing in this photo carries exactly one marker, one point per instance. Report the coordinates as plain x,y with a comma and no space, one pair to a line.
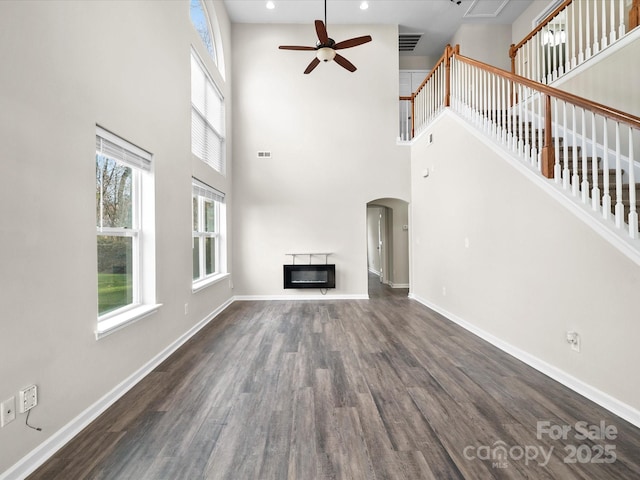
429,98
571,34
588,148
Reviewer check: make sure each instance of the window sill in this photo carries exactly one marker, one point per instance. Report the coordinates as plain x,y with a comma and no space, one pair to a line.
201,284
115,323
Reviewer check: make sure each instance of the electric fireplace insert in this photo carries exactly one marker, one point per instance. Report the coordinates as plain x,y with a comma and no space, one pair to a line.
310,276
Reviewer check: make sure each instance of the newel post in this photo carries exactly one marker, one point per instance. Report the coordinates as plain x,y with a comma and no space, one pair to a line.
512,55
447,64
634,14
547,160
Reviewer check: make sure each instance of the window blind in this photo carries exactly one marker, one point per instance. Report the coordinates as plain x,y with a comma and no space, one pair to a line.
114,147
207,118
204,190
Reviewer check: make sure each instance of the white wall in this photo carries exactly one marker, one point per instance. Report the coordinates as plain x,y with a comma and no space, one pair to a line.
413,62
523,25
68,66
332,135
532,270
486,43
610,79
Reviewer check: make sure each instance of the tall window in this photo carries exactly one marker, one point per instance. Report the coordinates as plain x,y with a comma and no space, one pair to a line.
207,118
208,232
120,167
200,21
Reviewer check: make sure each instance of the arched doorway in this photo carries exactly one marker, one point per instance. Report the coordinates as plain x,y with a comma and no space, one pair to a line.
388,244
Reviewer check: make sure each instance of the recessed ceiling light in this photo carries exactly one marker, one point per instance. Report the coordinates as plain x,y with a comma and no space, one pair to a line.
271,5
364,5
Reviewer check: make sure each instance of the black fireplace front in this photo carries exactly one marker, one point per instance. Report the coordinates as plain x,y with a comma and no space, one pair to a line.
310,276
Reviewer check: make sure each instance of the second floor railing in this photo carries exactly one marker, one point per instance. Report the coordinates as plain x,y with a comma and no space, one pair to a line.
571,34
428,100
589,149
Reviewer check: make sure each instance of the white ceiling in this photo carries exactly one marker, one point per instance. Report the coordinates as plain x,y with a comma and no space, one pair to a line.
438,20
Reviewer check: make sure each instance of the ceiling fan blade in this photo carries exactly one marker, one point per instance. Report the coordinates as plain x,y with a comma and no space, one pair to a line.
343,62
314,63
321,30
295,47
352,42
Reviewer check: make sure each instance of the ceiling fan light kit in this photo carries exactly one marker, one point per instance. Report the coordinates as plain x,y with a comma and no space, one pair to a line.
326,47
326,54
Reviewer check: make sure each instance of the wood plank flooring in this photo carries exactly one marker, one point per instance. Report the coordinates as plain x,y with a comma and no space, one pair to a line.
377,389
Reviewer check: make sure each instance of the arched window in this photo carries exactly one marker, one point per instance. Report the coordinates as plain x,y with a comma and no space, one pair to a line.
200,21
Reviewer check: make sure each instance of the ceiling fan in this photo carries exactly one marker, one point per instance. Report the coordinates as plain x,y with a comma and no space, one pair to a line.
326,47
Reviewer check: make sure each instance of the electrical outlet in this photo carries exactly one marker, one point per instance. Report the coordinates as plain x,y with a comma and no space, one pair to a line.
8,412
444,291
186,309
573,339
28,398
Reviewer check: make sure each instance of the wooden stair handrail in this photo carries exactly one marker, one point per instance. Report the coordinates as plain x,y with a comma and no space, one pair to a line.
605,111
514,48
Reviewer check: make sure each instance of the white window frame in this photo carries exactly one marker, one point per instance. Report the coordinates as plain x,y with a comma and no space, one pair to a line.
202,144
203,193
211,49
139,161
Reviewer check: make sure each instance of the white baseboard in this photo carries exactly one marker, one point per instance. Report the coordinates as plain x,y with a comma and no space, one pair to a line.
623,410
30,462
398,285
355,296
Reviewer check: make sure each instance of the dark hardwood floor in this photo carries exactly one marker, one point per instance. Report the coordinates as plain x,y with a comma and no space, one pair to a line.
364,389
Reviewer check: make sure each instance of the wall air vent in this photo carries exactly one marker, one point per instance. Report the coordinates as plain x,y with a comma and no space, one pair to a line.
407,41
264,154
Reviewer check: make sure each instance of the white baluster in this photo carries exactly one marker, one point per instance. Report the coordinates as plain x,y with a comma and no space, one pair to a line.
633,214
573,35
613,31
478,102
541,136
505,106
619,205
603,41
494,105
595,191
587,27
548,48
580,49
556,142
487,103
517,131
621,28
481,98
553,55
606,197
575,178
567,58
585,169
527,143
596,40
566,173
